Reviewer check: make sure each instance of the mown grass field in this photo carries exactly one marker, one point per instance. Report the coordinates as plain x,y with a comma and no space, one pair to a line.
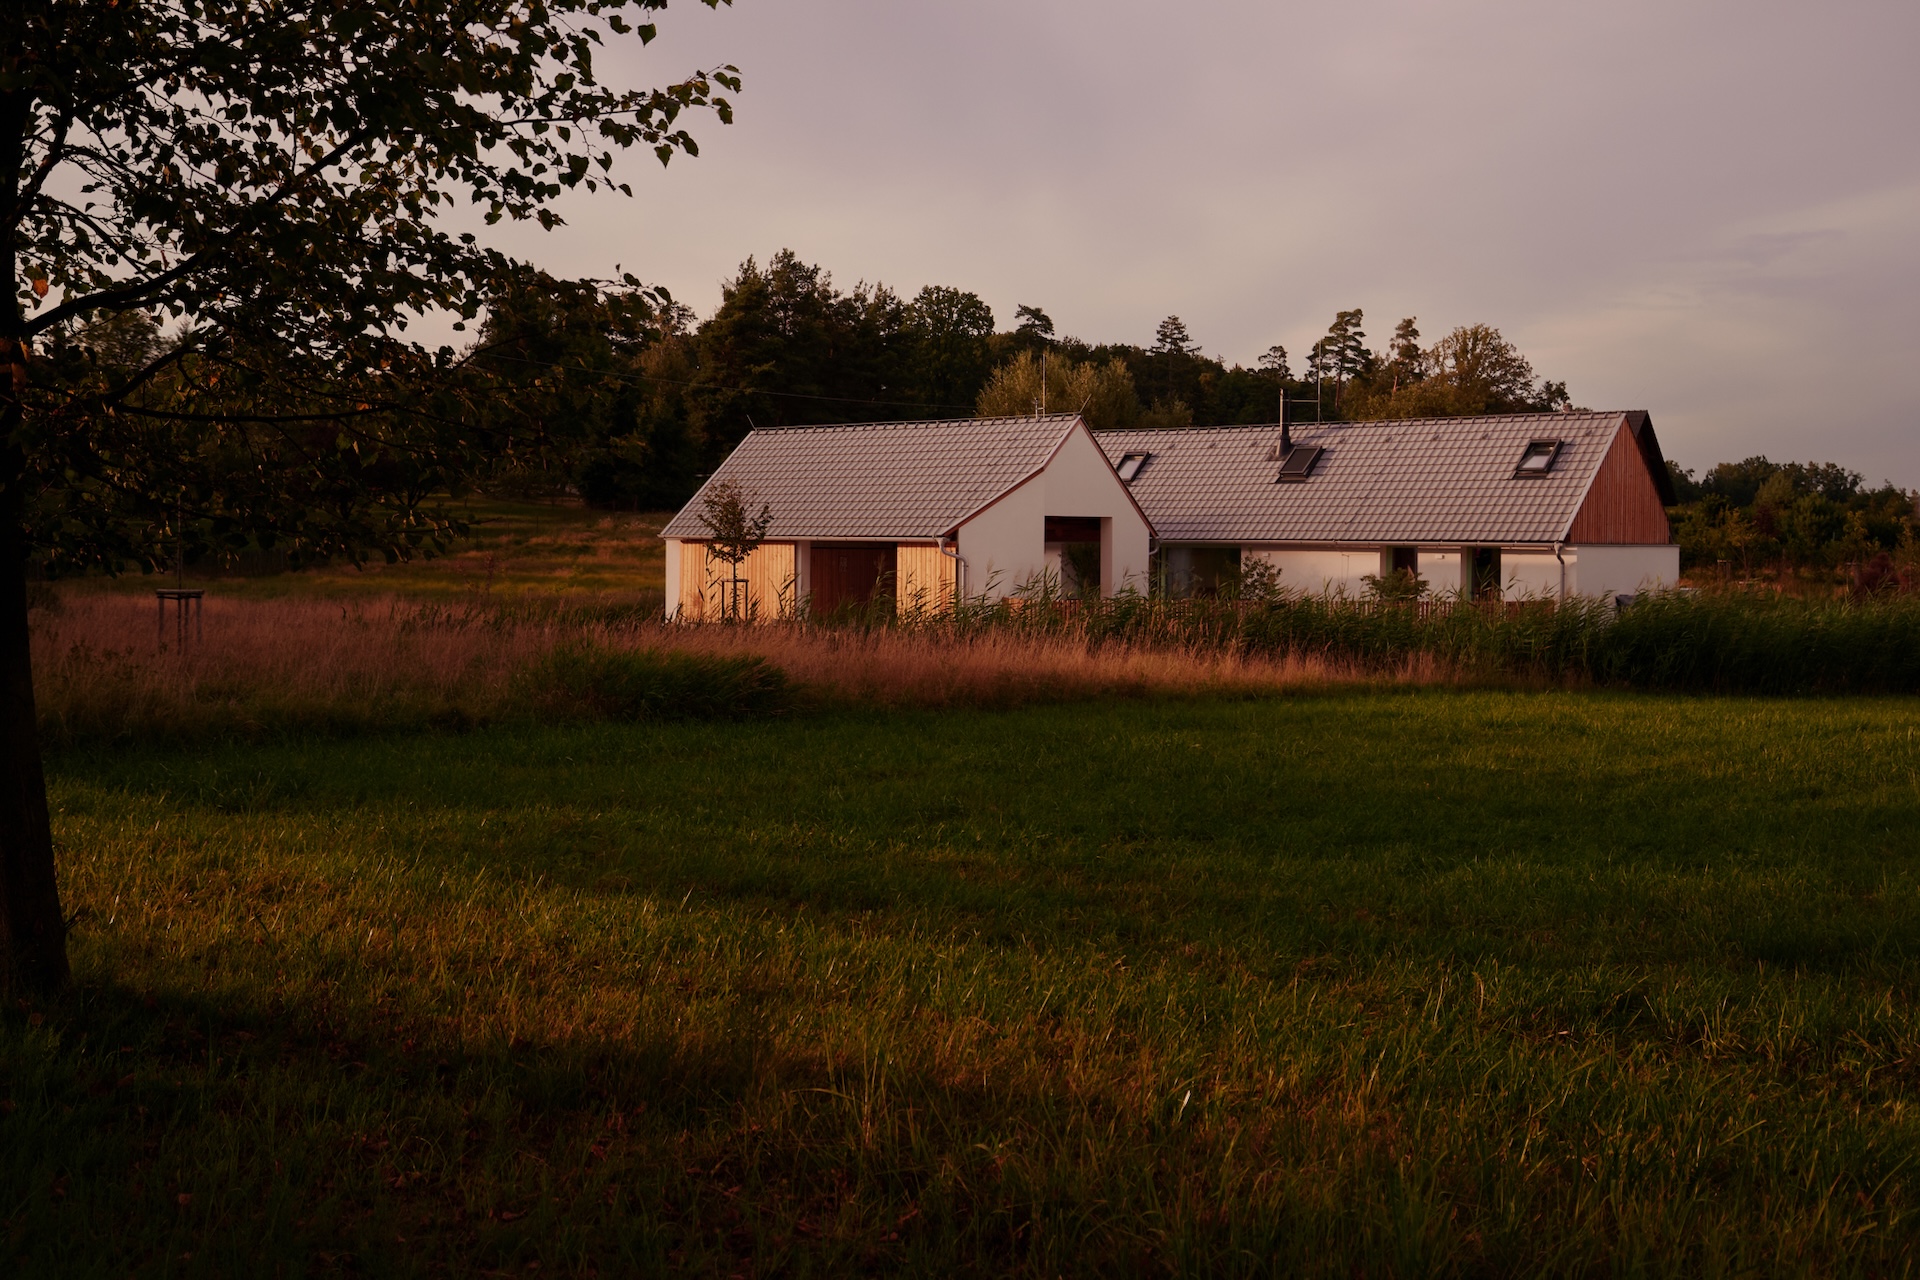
1363,982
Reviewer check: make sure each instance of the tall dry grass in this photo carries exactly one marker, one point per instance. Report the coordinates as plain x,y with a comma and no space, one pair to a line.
890,667
106,671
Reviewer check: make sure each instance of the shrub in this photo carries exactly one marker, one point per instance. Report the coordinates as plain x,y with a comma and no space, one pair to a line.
1751,643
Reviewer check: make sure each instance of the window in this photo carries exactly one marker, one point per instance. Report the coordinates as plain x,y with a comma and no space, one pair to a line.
1405,560
1538,459
1298,464
1130,465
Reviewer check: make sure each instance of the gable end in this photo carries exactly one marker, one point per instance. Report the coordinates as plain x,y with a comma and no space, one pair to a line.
1623,504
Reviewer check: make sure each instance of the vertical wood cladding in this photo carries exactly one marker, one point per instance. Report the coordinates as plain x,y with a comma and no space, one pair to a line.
926,577
1622,506
767,576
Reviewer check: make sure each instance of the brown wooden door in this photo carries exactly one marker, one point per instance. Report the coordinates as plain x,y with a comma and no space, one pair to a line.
851,574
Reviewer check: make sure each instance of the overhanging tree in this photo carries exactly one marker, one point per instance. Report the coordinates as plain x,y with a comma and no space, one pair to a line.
271,177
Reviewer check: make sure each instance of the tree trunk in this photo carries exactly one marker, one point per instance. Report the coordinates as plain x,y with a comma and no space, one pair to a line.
33,932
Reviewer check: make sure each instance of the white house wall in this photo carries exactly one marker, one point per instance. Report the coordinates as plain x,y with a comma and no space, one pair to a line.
1444,572
1527,575
802,569
1318,571
1604,571
1005,545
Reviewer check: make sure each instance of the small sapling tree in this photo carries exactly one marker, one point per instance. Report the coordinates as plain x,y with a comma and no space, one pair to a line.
737,531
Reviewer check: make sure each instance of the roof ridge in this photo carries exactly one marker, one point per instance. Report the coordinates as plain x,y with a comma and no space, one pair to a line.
1555,415
914,422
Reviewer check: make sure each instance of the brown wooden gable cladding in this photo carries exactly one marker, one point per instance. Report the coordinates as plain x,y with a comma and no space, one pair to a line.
1622,505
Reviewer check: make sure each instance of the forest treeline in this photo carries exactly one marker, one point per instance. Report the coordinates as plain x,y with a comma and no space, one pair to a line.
622,395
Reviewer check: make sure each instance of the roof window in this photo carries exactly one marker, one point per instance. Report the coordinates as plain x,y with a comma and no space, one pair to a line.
1538,459
1130,465
1298,464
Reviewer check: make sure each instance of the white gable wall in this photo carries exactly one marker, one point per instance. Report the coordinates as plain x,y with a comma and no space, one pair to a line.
1005,545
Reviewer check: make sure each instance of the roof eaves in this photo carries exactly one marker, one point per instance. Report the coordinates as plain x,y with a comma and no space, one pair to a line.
1650,452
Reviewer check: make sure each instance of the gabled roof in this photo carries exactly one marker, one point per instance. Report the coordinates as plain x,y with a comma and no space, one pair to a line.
1408,481
882,480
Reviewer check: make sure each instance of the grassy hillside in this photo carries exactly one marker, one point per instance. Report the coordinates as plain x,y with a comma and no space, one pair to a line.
1368,982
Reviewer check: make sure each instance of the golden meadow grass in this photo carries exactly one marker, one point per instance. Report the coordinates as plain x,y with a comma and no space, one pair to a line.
107,668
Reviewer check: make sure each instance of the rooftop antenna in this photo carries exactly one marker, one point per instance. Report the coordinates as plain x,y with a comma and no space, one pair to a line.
1043,382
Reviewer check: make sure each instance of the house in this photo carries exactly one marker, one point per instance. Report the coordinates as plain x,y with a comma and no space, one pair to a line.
916,510
1521,505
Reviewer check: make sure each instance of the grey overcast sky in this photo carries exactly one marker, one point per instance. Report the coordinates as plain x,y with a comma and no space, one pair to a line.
1708,210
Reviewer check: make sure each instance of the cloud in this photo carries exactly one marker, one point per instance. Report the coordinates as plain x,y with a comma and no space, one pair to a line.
1706,210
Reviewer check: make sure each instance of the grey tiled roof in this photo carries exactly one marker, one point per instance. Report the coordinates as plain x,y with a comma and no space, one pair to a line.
1428,480
881,480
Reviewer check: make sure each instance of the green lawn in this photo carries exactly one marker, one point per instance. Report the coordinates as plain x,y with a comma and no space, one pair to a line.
1354,984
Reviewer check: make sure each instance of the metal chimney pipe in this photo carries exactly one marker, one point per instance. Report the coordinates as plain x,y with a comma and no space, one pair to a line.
1286,432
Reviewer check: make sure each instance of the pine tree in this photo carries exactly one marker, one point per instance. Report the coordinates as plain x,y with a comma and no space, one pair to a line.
1408,359
1342,355
1172,341
1034,323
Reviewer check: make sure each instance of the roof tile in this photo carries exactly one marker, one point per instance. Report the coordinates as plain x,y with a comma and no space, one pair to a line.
882,480
1405,481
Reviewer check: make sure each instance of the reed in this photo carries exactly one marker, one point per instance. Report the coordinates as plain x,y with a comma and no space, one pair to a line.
106,672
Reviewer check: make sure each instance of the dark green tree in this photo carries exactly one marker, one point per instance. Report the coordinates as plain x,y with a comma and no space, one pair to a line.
1035,326
1406,362
951,333
562,359
272,181
1342,355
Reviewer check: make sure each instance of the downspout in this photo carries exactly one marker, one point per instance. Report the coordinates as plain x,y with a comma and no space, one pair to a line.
1563,570
959,568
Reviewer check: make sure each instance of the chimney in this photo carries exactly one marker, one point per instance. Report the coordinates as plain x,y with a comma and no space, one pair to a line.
1286,432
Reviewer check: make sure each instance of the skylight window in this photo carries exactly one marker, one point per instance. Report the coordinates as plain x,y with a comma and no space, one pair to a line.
1130,465
1538,459
1298,464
